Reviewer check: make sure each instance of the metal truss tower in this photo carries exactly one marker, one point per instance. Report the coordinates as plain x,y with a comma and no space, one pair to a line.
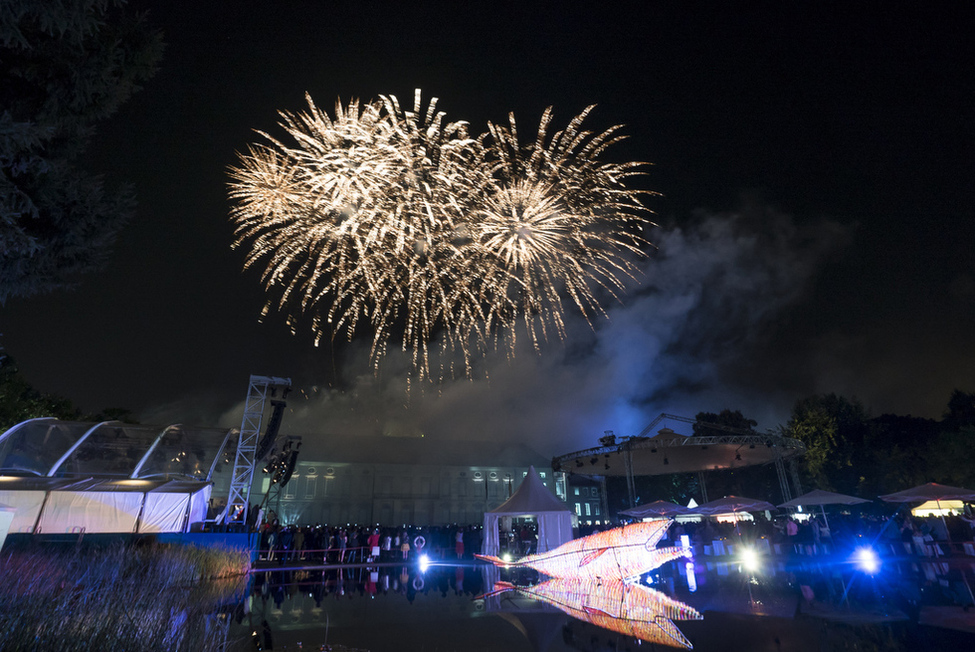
783,478
259,390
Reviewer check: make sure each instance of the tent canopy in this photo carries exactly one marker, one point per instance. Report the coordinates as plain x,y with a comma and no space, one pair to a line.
531,499
47,447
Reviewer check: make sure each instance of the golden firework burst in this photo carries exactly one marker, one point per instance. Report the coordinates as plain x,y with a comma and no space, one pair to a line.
399,219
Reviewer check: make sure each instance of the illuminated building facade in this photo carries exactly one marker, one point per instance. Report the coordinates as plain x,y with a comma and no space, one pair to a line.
586,496
400,481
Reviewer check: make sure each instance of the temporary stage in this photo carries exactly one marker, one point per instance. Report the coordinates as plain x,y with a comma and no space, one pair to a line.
668,452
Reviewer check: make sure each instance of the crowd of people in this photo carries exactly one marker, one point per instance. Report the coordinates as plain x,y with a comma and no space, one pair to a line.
356,544
810,534
815,533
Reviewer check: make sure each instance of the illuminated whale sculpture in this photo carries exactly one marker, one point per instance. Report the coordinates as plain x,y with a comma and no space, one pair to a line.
622,607
623,553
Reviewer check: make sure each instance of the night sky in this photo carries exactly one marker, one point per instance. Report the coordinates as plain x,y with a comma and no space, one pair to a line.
817,216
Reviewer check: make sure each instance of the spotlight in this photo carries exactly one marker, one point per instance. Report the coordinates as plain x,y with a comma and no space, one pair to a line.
866,560
749,559
768,443
578,464
607,466
653,450
666,461
751,446
424,563
594,460
738,456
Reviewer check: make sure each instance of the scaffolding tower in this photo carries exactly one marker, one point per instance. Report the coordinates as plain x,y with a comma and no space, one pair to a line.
259,390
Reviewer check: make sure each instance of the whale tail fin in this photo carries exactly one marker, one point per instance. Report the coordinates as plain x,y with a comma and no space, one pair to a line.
499,588
497,561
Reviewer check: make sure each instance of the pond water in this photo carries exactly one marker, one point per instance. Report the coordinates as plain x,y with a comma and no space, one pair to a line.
805,603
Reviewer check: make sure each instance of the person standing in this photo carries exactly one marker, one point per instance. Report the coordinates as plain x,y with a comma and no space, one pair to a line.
343,544
387,545
459,543
373,543
792,533
404,545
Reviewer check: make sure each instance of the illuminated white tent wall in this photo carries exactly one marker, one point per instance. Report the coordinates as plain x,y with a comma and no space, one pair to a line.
6,517
65,477
532,499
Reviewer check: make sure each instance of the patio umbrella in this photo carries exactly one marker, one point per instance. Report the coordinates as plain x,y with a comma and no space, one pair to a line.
821,498
733,504
931,491
658,508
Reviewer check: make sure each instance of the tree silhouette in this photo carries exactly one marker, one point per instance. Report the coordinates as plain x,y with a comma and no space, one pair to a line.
64,66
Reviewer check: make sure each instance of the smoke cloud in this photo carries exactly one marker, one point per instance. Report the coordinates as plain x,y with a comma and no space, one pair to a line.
693,335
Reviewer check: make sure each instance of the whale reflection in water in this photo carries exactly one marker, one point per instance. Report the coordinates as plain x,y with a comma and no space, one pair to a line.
622,553
622,607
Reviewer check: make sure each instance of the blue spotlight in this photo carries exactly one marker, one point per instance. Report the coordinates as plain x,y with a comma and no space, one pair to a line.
424,563
866,560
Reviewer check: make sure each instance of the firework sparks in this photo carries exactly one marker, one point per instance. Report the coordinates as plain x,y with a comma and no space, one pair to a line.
399,219
560,222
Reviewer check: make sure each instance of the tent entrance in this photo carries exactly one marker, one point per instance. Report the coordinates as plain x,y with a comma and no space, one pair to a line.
519,535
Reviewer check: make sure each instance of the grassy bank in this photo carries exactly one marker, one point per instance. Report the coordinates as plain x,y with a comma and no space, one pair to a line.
150,597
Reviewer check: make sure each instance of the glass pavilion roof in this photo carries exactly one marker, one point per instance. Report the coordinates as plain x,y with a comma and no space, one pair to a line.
51,448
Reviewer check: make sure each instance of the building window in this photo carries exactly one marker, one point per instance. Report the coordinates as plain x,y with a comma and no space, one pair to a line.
595,509
578,509
588,513
576,491
595,492
311,486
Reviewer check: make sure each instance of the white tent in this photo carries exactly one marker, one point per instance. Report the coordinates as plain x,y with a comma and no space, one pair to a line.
103,505
531,499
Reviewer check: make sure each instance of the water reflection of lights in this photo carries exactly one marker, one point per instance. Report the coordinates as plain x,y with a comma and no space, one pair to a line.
625,608
373,600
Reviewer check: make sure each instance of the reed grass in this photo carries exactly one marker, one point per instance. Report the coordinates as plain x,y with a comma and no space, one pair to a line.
143,597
